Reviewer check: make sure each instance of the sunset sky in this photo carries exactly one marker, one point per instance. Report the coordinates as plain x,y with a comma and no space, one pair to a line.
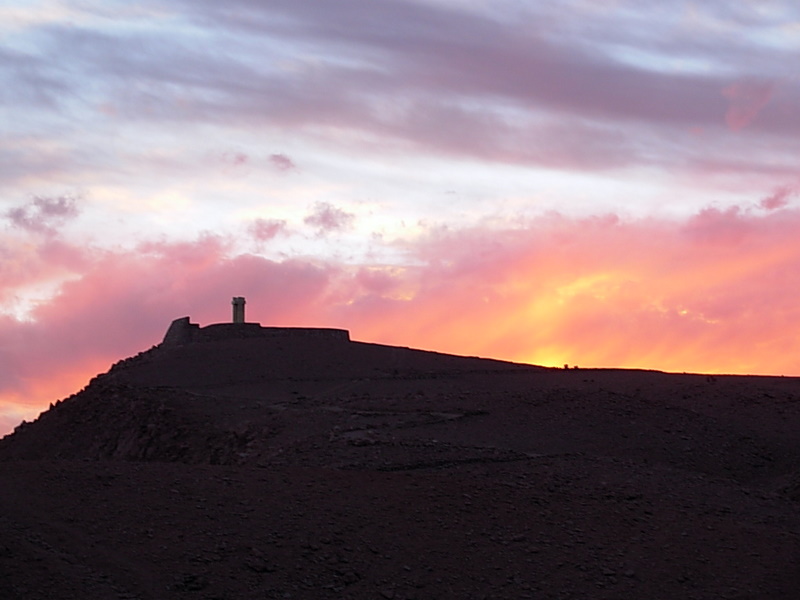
592,182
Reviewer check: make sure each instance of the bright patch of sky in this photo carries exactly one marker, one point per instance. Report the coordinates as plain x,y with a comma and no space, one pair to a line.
660,62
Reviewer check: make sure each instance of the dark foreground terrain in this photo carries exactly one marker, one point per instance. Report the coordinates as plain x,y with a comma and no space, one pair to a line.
258,468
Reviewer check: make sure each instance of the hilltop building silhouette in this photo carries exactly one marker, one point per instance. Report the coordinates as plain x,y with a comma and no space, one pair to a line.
182,331
238,309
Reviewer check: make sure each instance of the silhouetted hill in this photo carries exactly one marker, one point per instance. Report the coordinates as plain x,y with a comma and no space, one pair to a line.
211,401
304,466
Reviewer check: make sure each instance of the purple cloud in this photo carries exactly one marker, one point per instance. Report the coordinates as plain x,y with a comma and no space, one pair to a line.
43,215
533,89
326,218
281,162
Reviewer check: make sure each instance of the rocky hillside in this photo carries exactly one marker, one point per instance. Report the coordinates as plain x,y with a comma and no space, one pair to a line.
316,468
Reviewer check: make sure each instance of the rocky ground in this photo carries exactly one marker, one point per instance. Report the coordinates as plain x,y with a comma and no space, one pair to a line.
322,469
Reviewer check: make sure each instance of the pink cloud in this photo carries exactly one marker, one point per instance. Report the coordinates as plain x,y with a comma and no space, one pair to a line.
25,263
266,229
379,281
713,226
779,198
746,100
326,218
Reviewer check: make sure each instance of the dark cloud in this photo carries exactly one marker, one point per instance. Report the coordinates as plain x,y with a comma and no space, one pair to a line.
429,49
281,162
326,218
62,207
43,215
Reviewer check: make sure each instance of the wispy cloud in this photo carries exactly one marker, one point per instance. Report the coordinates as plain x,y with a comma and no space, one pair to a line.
428,74
779,198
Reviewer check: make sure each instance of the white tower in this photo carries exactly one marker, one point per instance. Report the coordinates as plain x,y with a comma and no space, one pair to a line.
238,309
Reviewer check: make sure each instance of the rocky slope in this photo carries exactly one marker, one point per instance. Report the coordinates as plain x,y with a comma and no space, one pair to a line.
327,469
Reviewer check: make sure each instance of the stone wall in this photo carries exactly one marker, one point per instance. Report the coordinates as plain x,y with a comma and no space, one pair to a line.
182,332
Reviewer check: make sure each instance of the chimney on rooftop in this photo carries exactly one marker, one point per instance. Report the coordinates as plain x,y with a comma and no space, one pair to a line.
238,309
